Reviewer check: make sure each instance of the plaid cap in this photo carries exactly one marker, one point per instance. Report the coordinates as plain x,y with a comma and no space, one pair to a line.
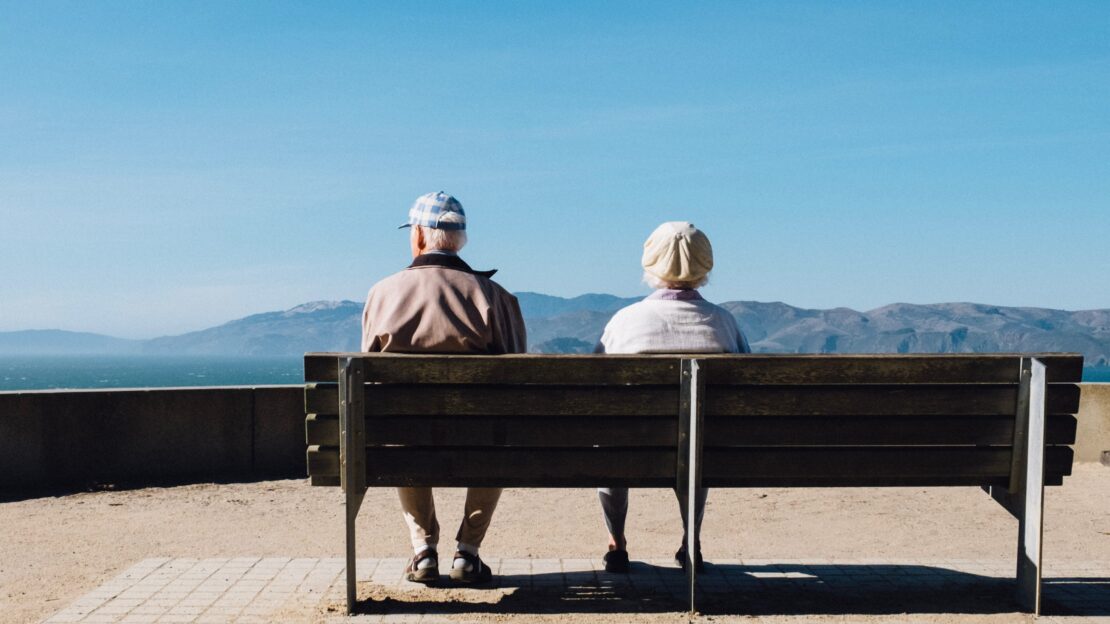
428,210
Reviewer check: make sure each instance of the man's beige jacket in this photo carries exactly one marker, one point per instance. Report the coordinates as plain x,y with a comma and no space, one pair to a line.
440,305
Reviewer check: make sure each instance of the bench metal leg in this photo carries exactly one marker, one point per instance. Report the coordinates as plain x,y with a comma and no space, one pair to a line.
353,503
1024,498
689,463
1029,497
352,458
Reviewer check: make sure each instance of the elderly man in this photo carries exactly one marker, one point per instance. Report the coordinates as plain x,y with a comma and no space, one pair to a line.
441,305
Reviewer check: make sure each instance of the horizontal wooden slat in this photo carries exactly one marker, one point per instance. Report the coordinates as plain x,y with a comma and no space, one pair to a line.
876,430
661,431
386,399
1063,398
462,400
507,467
321,398
751,467
399,399
732,368
556,431
522,467
321,429
316,367
508,369
985,400
321,368
323,461
864,467
1061,367
880,369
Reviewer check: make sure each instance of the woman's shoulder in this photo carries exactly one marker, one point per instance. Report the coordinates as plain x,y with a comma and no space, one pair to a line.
631,311
710,307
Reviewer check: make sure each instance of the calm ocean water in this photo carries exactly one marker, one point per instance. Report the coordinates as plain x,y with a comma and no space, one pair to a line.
1096,374
142,371
48,372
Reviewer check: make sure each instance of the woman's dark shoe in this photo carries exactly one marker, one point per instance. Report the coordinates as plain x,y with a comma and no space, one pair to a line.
616,561
680,559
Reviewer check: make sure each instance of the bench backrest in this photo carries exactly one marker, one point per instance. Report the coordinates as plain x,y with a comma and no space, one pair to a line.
507,420
998,421
766,420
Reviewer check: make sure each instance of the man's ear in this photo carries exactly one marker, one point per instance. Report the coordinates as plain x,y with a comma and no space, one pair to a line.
418,241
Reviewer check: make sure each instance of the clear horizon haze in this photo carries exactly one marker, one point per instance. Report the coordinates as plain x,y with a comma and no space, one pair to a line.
167,167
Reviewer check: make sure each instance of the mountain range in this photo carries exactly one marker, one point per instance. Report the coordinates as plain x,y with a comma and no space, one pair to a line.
573,325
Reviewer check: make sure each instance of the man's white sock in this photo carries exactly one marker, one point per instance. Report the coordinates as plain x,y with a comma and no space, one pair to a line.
425,563
463,564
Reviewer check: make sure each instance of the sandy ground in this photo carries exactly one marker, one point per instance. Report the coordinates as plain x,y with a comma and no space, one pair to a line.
56,549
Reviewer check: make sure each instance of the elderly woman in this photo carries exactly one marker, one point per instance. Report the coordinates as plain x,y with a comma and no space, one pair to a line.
673,319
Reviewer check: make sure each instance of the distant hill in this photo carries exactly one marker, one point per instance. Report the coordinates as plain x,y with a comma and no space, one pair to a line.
555,325
316,326
537,306
573,325
934,328
59,342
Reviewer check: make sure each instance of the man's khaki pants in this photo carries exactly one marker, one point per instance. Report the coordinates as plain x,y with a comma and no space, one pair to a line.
420,514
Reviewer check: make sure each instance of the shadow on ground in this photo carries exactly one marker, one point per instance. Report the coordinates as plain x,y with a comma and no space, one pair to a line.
740,589
1088,596
11,495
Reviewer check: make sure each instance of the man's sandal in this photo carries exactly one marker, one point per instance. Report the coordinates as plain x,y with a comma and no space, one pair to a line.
427,574
474,572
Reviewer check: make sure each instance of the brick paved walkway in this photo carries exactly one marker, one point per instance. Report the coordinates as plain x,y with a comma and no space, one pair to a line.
291,590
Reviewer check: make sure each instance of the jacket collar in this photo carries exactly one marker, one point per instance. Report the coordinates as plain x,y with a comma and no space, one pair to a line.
448,262
675,294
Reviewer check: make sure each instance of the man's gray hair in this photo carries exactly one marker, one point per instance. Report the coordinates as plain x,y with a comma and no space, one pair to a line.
657,283
445,240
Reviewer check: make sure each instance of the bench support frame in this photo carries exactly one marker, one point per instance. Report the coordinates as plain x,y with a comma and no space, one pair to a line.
352,457
690,444
1024,498
1030,489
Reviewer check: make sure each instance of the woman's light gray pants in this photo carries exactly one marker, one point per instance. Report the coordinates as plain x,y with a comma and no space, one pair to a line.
614,505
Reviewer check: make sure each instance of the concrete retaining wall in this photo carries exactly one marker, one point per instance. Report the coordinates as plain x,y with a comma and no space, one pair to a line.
1093,435
79,438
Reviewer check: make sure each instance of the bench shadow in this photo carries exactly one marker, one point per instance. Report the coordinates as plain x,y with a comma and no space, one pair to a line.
784,589
1077,595
12,495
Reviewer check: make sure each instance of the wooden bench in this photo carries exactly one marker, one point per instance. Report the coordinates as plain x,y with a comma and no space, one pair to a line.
999,421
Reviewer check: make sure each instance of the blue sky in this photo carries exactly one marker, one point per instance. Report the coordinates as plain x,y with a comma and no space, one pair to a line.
170,166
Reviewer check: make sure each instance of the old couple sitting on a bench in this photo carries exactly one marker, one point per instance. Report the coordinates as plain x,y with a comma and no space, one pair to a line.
441,305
